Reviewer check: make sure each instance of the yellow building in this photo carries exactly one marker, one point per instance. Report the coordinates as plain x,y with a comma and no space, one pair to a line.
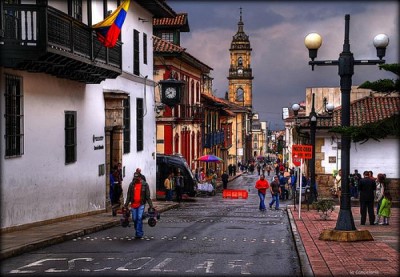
240,93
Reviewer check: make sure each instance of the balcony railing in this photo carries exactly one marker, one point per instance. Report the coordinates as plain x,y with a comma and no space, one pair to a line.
212,139
186,112
39,38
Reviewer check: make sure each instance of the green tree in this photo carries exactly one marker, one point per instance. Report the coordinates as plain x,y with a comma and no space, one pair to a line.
385,85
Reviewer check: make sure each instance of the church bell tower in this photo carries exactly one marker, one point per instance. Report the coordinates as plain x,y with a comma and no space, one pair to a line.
240,73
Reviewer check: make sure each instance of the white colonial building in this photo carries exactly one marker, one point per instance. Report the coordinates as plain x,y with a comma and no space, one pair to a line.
71,108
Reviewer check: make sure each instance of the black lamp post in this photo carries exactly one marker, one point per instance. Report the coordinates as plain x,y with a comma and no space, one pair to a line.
312,119
346,62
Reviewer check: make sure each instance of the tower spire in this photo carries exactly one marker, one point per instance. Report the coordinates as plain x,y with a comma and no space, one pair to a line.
240,14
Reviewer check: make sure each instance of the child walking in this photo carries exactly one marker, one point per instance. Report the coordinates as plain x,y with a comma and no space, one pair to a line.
384,209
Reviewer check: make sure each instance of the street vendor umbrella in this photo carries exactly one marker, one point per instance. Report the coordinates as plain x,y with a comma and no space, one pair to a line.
210,159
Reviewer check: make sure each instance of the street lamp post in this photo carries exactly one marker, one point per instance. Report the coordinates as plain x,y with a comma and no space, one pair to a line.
312,119
345,63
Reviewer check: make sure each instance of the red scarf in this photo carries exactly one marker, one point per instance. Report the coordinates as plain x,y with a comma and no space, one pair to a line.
137,192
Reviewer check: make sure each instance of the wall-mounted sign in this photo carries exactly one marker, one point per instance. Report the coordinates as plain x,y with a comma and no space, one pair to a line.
332,160
98,147
97,138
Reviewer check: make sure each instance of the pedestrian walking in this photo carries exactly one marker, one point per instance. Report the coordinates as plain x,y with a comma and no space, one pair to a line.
385,208
284,192
139,171
258,169
338,184
225,180
115,190
367,189
169,186
262,185
137,197
179,185
379,192
275,189
269,168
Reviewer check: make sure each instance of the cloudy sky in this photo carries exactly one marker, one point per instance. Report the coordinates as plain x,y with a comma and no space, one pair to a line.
276,31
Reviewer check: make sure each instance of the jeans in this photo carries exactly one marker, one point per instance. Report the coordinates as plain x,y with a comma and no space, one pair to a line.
168,194
178,191
137,215
262,198
275,198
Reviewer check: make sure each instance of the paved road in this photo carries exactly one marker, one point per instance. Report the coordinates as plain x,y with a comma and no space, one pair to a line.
209,237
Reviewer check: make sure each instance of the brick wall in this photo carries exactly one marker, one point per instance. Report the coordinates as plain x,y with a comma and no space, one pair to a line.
326,181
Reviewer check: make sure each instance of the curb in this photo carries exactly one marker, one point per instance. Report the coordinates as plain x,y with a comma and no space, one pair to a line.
305,265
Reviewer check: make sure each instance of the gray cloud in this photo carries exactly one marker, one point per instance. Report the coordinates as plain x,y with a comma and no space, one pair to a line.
279,57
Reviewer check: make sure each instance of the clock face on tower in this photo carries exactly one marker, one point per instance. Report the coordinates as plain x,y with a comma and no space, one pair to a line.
240,71
170,92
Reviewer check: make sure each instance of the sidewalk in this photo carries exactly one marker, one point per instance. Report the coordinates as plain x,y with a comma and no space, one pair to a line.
331,258
17,242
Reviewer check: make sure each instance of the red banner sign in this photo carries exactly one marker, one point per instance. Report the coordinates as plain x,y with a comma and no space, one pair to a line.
302,151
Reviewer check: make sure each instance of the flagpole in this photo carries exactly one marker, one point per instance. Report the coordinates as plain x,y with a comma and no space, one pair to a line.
98,51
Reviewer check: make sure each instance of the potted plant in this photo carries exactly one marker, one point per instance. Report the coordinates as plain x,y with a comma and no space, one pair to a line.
325,206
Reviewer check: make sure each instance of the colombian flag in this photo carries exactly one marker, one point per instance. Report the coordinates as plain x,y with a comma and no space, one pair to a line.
109,29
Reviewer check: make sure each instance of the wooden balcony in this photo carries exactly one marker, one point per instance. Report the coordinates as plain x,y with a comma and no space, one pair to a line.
39,38
189,113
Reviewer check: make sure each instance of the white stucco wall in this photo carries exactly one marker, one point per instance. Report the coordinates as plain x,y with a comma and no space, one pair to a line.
380,157
39,185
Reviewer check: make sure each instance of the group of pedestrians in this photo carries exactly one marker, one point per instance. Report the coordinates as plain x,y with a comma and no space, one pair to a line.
262,186
374,190
174,183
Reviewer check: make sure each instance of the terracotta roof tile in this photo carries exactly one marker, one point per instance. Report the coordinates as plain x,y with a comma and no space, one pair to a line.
366,110
163,46
179,21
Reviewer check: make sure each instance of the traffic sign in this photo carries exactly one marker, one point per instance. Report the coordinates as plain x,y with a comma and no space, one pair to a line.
302,151
296,160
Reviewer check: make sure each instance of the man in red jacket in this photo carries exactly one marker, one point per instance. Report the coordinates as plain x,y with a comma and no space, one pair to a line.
262,185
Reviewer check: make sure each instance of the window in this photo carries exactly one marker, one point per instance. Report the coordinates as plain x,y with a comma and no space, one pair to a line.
168,37
240,95
240,61
139,124
75,9
70,137
14,133
136,52
127,125
144,48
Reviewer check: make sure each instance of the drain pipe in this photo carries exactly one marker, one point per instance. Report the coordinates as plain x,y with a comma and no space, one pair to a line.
145,98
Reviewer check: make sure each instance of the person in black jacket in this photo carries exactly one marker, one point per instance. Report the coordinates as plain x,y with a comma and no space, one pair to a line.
137,196
225,179
367,188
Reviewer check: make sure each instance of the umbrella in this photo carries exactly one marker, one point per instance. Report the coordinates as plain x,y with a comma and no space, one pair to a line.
210,159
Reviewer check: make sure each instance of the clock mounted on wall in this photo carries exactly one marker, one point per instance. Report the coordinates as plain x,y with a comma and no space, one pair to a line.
171,91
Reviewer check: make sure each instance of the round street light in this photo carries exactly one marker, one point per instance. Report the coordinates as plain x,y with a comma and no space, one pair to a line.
381,41
313,42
